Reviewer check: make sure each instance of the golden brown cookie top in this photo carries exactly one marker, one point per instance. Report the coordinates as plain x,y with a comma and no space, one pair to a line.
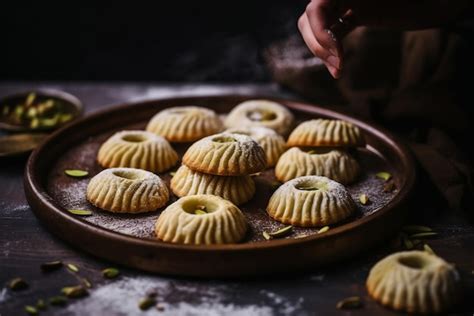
137,149
272,143
225,154
237,189
185,123
127,190
311,201
261,113
325,132
414,282
201,219
333,163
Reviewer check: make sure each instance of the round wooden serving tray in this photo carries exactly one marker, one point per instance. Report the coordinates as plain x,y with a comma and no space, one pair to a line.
130,240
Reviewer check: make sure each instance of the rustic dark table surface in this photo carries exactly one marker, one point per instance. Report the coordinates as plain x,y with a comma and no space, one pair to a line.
25,244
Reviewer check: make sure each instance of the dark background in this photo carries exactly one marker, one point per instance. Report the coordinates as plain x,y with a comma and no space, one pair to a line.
169,41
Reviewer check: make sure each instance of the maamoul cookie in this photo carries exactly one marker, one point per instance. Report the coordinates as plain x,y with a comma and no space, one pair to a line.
311,201
414,282
225,154
261,113
185,123
329,162
237,189
324,132
272,143
137,149
201,219
127,190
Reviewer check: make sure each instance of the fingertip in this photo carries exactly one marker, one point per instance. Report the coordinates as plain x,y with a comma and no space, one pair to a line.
301,21
335,72
334,61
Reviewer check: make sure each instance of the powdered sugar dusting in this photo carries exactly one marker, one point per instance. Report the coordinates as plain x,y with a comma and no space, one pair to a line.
73,196
222,152
4,295
179,298
12,211
70,193
256,132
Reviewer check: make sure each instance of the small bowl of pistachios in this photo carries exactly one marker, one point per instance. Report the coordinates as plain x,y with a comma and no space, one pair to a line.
40,110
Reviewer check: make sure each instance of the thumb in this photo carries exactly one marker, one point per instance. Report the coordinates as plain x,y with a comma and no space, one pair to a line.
322,15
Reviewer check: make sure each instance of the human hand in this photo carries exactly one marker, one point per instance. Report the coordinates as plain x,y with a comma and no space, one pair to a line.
316,26
325,22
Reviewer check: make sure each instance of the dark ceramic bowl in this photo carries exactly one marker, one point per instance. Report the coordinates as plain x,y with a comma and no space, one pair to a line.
69,104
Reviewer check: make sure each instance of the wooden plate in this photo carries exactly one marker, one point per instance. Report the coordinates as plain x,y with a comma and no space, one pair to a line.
129,239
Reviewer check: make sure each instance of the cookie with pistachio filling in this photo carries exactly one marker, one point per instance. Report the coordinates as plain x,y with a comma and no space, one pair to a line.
225,154
137,149
333,163
201,219
326,133
414,282
311,201
237,189
127,190
185,123
261,113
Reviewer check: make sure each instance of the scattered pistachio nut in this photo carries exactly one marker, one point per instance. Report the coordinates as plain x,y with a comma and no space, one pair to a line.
364,199
74,291
34,123
266,235
86,283
72,267
384,175
48,104
172,173
408,243
423,235
17,284
30,99
323,230
147,302
41,304
31,310
349,303
200,210
110,273
32,112
58,300
51,266
413,229
281,232
76,173
428,249
80,212
63,118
